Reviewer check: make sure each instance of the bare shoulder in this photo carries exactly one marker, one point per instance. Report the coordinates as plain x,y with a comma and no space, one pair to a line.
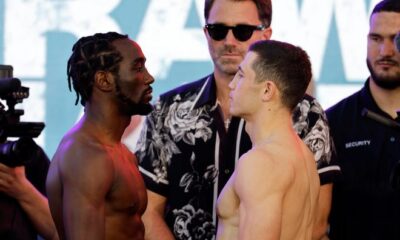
79,158
263,161
260,166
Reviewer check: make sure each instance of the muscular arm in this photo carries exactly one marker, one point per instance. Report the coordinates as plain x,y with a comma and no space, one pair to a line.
261,208
153,218
87,175
14,183
324,208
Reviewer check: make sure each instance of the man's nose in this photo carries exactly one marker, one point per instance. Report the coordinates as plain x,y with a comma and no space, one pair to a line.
149,77
387,48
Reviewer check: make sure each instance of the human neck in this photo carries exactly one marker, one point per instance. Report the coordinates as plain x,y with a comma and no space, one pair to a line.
387,100
100,123
269,124
222,84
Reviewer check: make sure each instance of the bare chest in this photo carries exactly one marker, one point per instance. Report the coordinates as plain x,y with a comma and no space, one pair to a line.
228,204
128,192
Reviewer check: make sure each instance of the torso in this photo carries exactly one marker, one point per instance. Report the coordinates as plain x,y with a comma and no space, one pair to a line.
169,168
125,199
228,211
299,202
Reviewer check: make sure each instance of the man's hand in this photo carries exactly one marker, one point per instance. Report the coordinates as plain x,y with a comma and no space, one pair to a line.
13,181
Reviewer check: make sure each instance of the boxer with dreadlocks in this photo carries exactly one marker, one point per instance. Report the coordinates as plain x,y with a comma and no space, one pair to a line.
95,190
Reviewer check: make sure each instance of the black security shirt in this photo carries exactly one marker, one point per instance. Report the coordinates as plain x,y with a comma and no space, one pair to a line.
365,204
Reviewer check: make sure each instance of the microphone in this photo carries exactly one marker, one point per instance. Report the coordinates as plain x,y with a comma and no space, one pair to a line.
397,41
379,118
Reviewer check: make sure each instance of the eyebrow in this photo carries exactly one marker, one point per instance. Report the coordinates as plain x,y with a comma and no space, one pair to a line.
374,34
140,60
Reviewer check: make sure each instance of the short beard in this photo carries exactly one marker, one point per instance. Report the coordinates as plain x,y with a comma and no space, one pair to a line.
130,108
228,67
388,83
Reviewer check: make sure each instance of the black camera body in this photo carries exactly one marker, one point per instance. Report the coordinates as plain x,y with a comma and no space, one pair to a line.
15,153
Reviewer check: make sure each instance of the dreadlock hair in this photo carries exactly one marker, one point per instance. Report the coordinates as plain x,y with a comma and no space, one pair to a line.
89,55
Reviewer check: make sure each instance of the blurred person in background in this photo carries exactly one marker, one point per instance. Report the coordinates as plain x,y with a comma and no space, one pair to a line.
366,131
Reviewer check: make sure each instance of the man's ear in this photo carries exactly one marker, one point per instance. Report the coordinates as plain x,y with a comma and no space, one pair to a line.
267,33
205,32
269,90
104,81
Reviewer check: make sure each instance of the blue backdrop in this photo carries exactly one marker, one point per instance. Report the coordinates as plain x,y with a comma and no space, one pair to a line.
36,37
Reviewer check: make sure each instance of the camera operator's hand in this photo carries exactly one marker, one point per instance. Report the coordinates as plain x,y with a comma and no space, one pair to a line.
14,183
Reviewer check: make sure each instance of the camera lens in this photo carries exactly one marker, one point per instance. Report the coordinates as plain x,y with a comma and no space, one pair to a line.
17,153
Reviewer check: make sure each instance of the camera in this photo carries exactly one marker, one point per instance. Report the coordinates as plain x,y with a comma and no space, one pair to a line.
21,151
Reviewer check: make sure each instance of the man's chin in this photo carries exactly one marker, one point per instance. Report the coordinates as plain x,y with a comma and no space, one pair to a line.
232,112
386,81
383,79
387,84
229,67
